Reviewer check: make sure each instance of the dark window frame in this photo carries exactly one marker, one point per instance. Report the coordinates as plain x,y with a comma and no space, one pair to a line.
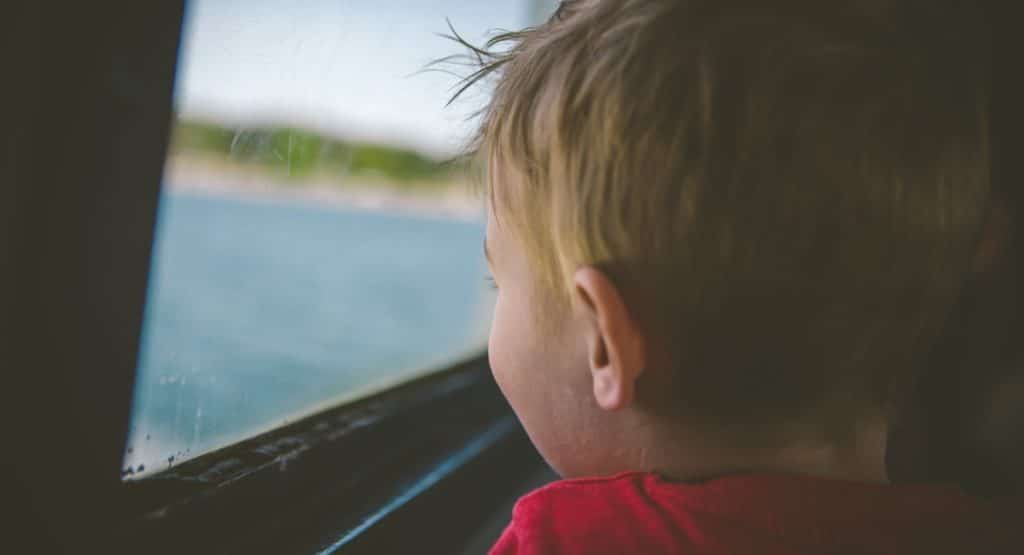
92,95
326,482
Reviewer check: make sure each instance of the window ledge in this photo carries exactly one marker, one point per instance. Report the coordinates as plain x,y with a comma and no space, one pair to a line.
328,481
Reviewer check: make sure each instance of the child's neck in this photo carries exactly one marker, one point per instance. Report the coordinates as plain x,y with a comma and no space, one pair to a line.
861,458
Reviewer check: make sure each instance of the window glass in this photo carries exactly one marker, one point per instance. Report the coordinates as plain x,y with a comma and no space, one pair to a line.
312,247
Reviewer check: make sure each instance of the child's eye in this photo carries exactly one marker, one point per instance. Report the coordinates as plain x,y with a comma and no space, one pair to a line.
490,282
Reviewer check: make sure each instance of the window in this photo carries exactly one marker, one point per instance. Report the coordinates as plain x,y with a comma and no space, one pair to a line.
313,244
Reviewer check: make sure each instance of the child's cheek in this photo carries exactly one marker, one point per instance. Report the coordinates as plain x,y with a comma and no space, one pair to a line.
495,349
508,352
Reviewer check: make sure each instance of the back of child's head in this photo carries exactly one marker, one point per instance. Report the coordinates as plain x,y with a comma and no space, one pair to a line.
788,194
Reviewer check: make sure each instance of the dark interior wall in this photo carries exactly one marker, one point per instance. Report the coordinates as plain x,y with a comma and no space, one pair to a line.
90,84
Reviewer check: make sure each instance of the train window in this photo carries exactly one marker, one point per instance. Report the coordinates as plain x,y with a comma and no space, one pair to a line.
313,244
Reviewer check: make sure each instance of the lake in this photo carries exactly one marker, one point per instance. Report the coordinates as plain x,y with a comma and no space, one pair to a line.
261,312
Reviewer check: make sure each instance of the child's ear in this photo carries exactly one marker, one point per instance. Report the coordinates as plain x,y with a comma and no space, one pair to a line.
617,350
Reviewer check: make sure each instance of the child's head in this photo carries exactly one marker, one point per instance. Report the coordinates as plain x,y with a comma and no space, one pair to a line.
746,217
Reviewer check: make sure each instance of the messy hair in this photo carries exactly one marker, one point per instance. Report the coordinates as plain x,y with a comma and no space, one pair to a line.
787,193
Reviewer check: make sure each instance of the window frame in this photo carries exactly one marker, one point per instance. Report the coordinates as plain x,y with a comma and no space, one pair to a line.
92,92
327,482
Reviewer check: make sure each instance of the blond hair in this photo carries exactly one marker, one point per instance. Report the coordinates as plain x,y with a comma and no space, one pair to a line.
788,193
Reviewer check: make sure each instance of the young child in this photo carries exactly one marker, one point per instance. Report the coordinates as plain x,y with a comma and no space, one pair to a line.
724,234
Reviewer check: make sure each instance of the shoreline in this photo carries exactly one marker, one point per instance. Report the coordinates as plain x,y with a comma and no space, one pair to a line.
216,178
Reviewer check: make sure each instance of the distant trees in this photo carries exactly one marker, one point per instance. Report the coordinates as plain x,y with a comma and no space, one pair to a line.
300,153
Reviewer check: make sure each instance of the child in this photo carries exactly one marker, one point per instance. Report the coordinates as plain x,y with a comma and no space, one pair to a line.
723,233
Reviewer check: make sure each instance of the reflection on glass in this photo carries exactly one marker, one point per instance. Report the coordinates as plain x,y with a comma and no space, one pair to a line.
312,246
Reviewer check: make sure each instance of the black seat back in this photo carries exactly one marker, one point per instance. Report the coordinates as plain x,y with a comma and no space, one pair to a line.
962,420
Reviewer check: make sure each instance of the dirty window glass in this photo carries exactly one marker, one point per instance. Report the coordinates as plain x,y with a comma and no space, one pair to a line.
312,246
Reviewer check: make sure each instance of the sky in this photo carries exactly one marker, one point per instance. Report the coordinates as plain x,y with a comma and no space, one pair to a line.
347,68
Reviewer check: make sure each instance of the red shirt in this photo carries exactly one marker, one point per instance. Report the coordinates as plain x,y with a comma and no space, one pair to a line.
764,514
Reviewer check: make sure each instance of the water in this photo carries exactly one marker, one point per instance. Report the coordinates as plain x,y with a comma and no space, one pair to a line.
262,312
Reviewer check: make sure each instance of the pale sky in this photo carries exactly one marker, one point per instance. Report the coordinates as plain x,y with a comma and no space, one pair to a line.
344,67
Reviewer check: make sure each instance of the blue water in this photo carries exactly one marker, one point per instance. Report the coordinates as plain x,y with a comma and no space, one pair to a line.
260,312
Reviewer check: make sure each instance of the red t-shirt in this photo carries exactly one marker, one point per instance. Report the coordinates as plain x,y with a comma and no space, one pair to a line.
764,514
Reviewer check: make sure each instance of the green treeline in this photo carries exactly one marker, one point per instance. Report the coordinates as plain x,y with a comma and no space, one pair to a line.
299,153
